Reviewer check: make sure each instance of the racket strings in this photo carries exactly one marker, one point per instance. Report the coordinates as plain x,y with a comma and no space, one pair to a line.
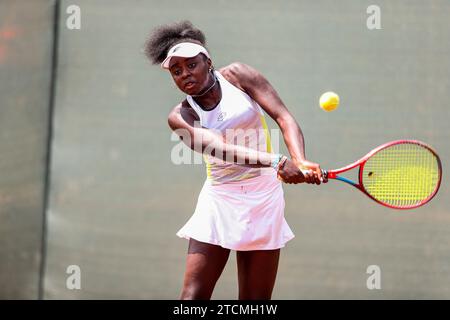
401,175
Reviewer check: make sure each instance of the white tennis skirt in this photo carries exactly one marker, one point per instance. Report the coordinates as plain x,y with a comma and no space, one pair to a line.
242,216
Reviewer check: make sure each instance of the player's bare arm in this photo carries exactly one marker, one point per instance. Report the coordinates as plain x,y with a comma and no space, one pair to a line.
259,88
182,120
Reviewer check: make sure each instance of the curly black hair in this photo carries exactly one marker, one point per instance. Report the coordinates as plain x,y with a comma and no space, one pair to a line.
166,36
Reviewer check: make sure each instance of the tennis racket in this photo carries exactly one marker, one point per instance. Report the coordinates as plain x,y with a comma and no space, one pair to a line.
402,174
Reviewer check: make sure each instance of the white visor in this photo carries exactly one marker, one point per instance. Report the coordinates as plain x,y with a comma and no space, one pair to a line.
185,50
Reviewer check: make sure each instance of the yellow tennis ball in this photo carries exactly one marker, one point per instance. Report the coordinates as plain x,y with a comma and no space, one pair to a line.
329,101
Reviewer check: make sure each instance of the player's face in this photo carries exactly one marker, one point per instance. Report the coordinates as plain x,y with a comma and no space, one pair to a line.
190,74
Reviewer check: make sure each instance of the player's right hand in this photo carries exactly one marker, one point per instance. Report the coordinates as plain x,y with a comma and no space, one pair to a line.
291,174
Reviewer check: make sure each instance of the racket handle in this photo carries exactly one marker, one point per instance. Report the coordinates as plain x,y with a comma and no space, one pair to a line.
324,173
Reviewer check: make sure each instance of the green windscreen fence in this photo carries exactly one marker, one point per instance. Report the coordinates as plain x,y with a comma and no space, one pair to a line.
26,45
117,198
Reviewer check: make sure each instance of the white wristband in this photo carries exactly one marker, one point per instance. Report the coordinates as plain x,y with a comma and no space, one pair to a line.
276,160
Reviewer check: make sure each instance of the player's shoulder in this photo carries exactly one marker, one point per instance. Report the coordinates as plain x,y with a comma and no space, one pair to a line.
183,110
238,73
236,69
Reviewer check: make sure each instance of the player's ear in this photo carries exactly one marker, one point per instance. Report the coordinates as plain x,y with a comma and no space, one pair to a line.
209,63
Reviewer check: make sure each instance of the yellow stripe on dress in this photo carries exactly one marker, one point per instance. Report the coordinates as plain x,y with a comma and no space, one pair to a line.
208,166
266,132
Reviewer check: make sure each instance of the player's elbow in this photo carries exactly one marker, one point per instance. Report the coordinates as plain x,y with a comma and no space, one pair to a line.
174,119
285,119
171,123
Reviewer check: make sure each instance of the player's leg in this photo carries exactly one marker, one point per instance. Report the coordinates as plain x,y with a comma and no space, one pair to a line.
257,271
204,265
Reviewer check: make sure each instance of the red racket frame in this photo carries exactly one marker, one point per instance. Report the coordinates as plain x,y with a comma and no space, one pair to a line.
333,174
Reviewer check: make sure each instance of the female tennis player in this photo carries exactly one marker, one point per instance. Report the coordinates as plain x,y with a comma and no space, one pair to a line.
241,204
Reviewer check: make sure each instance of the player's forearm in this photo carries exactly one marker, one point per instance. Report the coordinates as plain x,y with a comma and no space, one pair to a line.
239,154
212,143
293,138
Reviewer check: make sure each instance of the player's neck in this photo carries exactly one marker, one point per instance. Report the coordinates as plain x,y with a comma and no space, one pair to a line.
211,97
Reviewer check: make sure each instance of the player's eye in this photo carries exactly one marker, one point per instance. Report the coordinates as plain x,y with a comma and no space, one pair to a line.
192,65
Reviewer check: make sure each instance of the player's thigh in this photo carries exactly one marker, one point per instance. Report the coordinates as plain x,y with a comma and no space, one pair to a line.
257,271
204,264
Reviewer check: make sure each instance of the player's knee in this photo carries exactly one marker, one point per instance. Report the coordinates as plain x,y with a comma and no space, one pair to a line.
195,292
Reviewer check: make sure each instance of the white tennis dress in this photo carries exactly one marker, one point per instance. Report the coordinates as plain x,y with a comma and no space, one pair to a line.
239,207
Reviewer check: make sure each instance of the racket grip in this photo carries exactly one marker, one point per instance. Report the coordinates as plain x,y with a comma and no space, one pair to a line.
324,173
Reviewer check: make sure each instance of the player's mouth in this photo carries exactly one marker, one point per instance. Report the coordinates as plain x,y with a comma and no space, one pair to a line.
189,85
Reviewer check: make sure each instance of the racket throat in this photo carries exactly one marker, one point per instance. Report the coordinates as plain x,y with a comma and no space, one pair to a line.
333,175
350,182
